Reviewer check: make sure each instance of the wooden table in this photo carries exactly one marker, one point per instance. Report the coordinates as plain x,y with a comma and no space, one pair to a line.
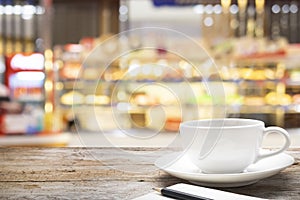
109,173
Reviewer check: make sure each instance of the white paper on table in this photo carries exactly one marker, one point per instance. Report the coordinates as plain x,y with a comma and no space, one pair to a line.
152,196
199,191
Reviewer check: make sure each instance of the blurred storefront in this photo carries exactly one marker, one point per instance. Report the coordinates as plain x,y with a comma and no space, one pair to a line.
96,80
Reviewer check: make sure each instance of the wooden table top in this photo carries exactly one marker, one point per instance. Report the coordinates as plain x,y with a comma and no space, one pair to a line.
110,173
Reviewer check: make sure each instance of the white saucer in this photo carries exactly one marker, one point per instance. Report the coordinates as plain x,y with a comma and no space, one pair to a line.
180,166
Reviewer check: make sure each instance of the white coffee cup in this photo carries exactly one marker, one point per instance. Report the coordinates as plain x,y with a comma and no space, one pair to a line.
227,145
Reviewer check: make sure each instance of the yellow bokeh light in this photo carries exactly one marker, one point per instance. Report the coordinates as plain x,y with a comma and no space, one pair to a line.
48,107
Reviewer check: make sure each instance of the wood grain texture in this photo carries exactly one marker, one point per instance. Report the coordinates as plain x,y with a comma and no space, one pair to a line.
109,173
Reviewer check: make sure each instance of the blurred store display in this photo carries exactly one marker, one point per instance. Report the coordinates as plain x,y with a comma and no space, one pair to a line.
111,82
25,74
136,88
25,77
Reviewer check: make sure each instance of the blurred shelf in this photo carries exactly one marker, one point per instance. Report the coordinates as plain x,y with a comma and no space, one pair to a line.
30,101
260,109
290,83
44,140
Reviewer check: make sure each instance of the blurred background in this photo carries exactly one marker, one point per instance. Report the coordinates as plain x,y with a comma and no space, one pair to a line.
67,77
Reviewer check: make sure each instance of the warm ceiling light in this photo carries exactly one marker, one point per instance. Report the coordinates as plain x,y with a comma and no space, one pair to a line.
242,4
260,4
226,5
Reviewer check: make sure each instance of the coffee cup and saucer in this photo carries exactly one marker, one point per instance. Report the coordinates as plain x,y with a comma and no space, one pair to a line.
226,152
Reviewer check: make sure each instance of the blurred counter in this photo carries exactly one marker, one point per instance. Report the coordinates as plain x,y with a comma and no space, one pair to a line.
123,138
42,140
148,138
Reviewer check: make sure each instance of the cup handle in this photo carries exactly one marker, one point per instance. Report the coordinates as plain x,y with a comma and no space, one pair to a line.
284,133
